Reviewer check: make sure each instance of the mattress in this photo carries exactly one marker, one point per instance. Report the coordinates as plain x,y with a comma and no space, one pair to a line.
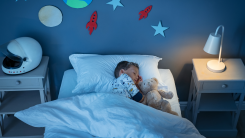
69,82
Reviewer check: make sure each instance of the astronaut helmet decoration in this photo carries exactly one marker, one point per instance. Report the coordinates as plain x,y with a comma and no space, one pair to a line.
22,55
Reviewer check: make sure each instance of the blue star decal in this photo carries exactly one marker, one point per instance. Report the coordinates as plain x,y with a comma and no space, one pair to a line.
115,3
159,29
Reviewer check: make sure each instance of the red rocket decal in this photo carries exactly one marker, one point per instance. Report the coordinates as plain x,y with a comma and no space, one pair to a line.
145,12
92,23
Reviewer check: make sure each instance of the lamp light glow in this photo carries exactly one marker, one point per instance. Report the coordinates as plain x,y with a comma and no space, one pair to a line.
214,46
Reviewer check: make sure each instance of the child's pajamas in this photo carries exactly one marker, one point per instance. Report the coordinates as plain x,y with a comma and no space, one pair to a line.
125,86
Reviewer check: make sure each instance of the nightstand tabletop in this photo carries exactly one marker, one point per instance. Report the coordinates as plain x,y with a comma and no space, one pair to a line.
235,70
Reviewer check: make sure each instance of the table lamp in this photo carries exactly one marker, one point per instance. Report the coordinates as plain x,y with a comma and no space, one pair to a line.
214,46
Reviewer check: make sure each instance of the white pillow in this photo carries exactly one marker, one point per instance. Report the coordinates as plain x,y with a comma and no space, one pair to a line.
96,72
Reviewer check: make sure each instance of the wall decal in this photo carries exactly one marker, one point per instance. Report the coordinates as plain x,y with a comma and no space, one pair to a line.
159,29
144,13
92,23
115,3
50,16
77,3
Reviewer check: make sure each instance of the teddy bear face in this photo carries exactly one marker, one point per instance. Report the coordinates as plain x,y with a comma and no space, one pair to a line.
148,85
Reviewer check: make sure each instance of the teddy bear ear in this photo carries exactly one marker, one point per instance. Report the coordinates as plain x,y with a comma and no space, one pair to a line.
155,79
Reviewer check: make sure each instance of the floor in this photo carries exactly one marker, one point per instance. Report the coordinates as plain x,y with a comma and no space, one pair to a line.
240,125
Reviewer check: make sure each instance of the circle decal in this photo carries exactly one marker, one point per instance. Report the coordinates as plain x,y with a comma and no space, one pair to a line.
77,3
50,16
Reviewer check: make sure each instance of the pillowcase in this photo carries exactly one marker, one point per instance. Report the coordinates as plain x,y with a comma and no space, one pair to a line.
96,72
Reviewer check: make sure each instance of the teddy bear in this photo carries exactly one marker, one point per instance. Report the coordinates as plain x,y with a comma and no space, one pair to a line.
154,97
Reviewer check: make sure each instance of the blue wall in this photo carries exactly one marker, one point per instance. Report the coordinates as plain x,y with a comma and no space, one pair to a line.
242,43
120,32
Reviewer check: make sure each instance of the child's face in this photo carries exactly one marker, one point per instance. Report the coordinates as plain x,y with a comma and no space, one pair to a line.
132,72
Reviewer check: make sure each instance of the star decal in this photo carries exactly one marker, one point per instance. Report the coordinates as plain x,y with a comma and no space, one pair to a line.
115,3
159,29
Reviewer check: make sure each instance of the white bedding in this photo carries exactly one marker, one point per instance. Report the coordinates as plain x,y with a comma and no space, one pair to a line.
68,84
106,115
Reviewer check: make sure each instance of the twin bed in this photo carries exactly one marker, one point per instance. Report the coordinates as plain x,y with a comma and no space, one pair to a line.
69,82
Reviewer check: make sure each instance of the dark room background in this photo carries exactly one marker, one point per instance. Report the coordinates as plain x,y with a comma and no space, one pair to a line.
120,32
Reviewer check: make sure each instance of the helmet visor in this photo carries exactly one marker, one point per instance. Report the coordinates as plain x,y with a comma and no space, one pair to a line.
6,52
11,64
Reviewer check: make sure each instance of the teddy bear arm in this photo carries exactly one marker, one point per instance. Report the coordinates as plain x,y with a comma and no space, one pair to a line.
167,95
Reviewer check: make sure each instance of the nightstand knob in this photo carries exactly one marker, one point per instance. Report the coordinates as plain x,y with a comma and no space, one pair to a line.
18,82
224,86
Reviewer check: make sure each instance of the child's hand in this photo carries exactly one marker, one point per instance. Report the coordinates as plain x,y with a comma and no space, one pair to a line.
139,79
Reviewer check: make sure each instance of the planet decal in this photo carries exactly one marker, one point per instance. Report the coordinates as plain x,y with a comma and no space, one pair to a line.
50,16
77,3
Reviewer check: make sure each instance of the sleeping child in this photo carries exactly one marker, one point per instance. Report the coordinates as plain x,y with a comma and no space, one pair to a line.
127,74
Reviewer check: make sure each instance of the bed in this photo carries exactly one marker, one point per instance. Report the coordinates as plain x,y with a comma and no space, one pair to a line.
68,84
99,114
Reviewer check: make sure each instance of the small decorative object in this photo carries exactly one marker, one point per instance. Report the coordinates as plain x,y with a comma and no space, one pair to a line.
50,16
92,23
115,3
77,3
22,55
214,46
154,97
144,13
159,29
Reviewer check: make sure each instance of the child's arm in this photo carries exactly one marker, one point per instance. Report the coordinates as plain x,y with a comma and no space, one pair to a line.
141,94
139,80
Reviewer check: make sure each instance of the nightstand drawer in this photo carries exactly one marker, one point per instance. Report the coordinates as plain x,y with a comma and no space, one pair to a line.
226,85
20,83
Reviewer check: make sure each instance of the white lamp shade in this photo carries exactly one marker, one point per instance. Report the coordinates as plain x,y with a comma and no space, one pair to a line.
212,45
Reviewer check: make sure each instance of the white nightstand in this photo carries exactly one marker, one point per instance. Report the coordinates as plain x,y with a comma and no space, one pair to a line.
211,103
19,92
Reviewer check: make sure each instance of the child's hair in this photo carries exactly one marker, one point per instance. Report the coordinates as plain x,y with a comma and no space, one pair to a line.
124,65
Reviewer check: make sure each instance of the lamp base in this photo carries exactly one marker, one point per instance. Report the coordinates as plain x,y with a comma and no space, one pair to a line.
215,66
